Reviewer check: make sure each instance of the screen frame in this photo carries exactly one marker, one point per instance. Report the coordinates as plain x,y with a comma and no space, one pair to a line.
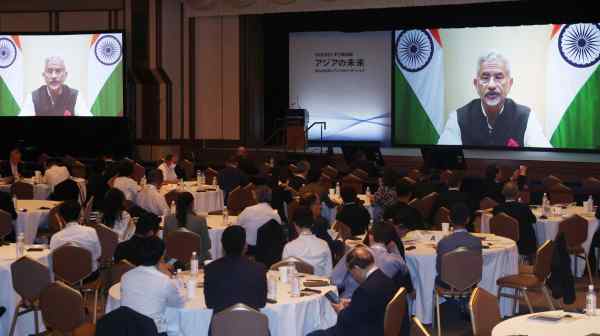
86,32
493,148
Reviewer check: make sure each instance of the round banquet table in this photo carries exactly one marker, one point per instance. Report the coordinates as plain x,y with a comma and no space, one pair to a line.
576,325
206,198
215,231
35,214
288,317
499,260
9,298
546,229
40,191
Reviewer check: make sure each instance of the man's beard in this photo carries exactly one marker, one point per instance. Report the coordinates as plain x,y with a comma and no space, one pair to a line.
493,99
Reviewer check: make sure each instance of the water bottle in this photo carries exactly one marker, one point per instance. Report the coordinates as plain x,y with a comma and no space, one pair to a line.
590,301
225,216
337,189
198,177
194,264
545,205
214,182
14,200
179,279
368,192
295,286
173,208
590,204
20,245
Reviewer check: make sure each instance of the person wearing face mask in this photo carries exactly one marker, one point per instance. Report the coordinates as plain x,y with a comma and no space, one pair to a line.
493,119
168,169
55,98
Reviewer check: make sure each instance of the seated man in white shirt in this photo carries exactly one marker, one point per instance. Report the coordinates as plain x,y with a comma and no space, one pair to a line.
148,289
55,174
255,216
76,234
307,247
168,169
149,198
124,182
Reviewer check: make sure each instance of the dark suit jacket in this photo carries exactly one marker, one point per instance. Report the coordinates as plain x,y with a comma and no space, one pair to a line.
493,190
405,214
270,240
7,205
232,280
355,216
125,321
229,178
247,166
67,190
423,189
450,198
454,241
527,242
6,171
364,315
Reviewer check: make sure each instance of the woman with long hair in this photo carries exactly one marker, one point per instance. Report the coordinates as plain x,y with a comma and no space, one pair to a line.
115,216
186,219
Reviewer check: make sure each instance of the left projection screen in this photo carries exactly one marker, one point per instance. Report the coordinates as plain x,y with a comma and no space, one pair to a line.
66,75
344,80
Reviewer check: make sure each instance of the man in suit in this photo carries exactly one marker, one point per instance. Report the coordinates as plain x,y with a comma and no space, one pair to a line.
493,183
234,278
147,226
245,163
401,212
14,166
527,243
453,195
364,313
299,177
353,214
231,176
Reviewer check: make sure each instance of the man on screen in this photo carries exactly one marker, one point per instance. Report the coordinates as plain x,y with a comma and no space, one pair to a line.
55,98
493,119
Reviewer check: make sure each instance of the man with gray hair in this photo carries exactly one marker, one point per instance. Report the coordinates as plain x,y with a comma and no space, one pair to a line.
55,98
493,119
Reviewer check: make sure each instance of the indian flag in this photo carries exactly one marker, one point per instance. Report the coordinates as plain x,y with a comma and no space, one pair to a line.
573,86
11,75
418,86
105,75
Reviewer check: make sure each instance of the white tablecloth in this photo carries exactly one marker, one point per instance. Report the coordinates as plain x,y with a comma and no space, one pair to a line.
9,298
40,191
204,201
546,229
289,316
579,325
29,221
215,231
498,261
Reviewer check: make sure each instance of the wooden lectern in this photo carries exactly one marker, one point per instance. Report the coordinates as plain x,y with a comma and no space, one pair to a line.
296,121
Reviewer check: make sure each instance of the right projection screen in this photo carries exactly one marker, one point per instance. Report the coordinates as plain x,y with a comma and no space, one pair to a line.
519,86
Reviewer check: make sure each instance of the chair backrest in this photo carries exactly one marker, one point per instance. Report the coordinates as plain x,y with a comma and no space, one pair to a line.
62,307
239,319
291,209
138,172
118,269
235,201
330,171
414,174
71,264
408,180
88,210
550,181
487,203
591,184
560,194
6,225
248,198
353,181
363,175
22,190
441,216
575,229
325,181
505,226
419,327
426,204
109,240
188,169
462,268
55,222
301,266
485,312
343,230
211,174
394,314
181,244
125,321
543,260
78,170
171,196
29,278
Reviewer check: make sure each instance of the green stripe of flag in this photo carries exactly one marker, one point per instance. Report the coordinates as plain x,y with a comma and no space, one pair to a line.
412,124
579,127
109,102
8,105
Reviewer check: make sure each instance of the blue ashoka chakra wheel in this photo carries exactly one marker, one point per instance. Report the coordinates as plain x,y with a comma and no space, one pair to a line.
8,52
414,49
579,44
108,50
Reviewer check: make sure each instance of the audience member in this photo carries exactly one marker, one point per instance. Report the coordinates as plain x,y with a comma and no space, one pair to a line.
56,173
403,213
453,195
131,250
527,243
124,182
115,216
321,226
168,169
186,219
255,216
231,177
245,163
353,214
300,175
149,198
493,183
14,167
6,204
234,278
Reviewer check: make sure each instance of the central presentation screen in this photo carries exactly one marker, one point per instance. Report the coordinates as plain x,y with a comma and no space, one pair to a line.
61,75
512,87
